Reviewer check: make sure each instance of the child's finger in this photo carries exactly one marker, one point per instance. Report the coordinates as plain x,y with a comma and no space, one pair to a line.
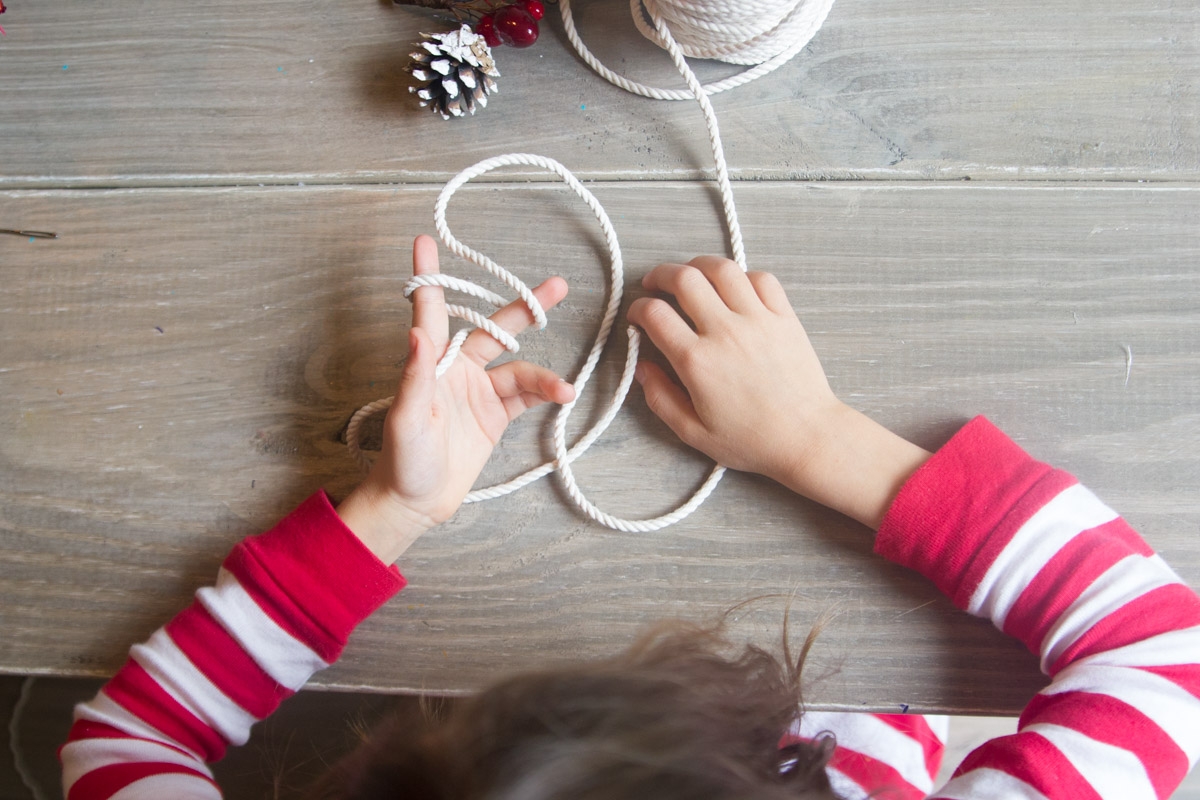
692,289
429,302
770,292
664,326
521,385
669,402
730,282
481,348
418,383
516,406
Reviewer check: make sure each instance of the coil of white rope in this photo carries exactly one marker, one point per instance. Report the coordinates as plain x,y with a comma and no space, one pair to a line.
781,31
767,34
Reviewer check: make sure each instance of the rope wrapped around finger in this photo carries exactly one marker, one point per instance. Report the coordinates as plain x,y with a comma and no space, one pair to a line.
564,456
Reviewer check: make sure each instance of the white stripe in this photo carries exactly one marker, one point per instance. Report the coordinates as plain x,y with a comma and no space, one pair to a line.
1164,650
105,710
1112,771
940,725
1120,584
289,661
179,677
844,787
1168,705
986,783
82,756
871,736
1072,511
175,786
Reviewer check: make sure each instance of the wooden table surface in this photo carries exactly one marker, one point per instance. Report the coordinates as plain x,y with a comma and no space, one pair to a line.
985,209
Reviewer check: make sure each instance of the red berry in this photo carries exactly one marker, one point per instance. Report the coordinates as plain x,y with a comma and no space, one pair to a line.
536,8
486,27
516,26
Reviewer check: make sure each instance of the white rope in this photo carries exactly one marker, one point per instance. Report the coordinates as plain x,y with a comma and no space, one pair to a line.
563,456
24,774
765,33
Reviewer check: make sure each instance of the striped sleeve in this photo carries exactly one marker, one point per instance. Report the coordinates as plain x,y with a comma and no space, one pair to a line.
879,756
1118,632
283,607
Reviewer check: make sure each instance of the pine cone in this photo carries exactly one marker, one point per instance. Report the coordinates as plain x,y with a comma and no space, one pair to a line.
455,70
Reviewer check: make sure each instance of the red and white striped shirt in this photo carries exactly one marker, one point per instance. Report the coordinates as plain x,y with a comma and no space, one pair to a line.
1002,535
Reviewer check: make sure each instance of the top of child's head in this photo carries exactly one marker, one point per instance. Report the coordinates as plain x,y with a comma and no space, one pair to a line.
680,714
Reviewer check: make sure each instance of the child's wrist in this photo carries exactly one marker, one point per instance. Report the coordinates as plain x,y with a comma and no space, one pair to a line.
381,521
855,466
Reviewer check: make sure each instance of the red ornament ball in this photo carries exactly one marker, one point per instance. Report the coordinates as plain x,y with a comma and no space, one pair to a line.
536,8
486,27
516,26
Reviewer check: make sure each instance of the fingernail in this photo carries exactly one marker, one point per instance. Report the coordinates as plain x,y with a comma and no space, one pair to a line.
639,373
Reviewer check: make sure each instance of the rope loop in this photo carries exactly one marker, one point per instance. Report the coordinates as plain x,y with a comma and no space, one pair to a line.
564,456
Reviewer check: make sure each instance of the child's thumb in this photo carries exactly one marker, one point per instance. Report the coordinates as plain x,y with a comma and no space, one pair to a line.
418,382
670,403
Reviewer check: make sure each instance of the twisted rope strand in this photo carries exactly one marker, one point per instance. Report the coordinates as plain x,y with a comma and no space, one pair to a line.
714,139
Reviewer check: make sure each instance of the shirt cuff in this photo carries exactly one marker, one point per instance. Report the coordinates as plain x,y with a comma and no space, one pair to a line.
945,520
317,578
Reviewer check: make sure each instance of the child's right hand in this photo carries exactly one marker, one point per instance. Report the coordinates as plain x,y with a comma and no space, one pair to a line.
754,395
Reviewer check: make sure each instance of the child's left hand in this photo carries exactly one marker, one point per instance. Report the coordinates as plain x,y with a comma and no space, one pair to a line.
440,431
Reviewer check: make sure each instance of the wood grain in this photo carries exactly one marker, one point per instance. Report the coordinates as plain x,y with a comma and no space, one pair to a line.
121,93
179,365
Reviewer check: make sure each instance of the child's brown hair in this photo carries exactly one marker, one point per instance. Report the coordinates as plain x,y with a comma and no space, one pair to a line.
672,717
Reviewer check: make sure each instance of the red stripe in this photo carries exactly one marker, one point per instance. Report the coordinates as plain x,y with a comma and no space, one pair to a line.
1117,723
313,576
1022,509
916,727
103,783
89,729
1033,759
1066,575
223,661
84,729
140,695
880,780
1185,676
1168,608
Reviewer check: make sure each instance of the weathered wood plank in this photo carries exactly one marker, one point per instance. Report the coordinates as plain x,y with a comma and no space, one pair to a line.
113,92
178,366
